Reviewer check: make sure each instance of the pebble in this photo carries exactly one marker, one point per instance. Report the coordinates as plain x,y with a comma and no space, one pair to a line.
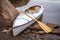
32,31
28,39
41,32
27,31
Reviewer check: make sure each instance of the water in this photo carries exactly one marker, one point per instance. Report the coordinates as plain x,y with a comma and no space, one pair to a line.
51,12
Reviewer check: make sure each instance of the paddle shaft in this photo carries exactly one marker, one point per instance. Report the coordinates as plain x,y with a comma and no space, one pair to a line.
42,25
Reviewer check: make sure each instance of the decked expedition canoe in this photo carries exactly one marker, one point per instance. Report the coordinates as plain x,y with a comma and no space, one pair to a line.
22,21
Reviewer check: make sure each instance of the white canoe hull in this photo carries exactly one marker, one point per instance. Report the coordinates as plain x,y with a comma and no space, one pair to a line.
18,29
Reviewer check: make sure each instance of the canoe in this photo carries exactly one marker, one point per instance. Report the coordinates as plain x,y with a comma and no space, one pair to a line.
22,21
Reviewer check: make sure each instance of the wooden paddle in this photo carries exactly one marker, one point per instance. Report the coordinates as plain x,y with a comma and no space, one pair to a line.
42,25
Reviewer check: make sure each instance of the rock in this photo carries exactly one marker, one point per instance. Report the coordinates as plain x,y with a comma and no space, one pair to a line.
41,32
53,25
34,27
32,31
56,31
26,31
51,37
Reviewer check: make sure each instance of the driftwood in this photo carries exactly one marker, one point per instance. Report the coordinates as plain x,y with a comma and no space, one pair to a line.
8,13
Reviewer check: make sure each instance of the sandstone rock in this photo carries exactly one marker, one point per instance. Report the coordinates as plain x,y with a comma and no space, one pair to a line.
53,25
41,32
34,27
56,31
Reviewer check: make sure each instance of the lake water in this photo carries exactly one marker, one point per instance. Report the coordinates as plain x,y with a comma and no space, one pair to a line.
51,12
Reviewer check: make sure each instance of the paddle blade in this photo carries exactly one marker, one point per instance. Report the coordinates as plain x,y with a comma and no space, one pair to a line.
44,27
